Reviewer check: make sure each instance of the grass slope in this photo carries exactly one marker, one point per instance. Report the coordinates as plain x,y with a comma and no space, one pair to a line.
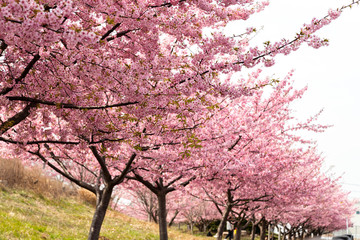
24,215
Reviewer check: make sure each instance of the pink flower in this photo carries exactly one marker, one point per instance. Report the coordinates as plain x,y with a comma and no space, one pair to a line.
334,13
269,62
44,53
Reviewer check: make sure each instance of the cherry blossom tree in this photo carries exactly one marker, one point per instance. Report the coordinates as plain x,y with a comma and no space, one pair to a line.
305,201
94,86
258,148
198,213
144,204
324,209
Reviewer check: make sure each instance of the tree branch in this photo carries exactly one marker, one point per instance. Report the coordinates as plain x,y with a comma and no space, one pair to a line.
57,141
173,218
184,184
236,142
16,119
3,46
173,181
121,34
214,201
120,178
67,105
165,4
101,161
23,74
37,142
72,179
143,181
110,31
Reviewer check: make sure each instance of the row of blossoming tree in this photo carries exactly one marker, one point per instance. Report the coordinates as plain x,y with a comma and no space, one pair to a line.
251,167
118,93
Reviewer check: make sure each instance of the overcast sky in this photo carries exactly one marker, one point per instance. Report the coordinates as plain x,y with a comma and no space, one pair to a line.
332,74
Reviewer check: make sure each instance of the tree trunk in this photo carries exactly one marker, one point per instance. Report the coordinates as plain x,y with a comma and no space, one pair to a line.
240,227
102,202
262,226
161,195
253,230
205,227
238,231
284,235
279,235
302,234
116,203
173,218
223,222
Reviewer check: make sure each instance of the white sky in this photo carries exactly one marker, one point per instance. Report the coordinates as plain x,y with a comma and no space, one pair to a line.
332,74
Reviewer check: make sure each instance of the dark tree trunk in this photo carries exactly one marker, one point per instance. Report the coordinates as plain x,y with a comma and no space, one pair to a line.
161,195
238,231
262,226
173,218
200,226
102,202
253,230
223,222
271,230
205,227
302,234
161,191
284,235
239,227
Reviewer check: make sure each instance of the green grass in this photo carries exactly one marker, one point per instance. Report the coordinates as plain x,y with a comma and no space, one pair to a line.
24,215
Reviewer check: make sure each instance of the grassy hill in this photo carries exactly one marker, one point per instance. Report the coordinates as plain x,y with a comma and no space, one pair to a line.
26,215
